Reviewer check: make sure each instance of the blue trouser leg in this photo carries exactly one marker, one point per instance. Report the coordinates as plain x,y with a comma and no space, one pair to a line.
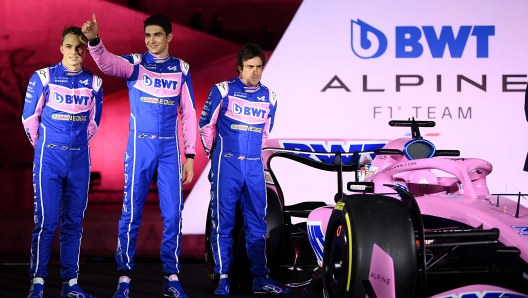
234,179
48,172
140,164
226,187
72,209
60,178
171,203
254,206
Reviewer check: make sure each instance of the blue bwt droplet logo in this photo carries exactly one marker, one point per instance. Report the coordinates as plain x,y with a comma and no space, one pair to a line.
366,41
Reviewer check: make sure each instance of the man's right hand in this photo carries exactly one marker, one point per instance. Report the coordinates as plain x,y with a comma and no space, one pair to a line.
90,28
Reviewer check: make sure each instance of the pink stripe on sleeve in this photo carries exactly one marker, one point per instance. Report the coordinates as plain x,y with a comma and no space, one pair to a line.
188,116
92,125
265,132
31,124
109,63
208,132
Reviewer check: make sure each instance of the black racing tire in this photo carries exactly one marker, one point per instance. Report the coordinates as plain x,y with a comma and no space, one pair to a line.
241,276
356,224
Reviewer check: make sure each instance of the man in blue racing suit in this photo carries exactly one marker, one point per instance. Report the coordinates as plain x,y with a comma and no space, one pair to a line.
62,111
236,120
158,85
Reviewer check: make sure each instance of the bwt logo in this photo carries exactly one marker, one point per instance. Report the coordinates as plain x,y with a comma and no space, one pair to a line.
70,99
369,42
159,83
248,111
315,147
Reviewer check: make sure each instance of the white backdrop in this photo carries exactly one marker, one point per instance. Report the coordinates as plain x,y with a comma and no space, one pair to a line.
480,52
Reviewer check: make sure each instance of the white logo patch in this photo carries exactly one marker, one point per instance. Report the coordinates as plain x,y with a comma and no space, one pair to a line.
273,99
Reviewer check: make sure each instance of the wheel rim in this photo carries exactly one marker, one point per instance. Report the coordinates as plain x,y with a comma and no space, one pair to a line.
336,267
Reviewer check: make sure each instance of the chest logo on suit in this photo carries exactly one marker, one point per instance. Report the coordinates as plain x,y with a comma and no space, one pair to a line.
247,111
159,83
70,99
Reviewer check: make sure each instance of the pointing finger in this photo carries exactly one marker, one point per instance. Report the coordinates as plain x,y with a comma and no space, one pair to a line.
94,19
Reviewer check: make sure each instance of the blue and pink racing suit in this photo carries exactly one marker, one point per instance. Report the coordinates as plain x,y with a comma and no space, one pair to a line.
235,123
62,111
157,87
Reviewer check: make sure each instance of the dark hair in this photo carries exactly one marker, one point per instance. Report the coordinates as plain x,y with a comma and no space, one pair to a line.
250,51
159,20
75,31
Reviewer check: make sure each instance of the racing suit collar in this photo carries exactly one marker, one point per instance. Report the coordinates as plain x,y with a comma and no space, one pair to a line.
247,88
68,72
153,59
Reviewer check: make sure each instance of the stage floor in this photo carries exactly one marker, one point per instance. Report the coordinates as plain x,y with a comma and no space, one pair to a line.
100,279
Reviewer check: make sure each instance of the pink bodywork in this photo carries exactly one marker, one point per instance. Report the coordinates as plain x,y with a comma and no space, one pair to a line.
478,291
381,274
463,196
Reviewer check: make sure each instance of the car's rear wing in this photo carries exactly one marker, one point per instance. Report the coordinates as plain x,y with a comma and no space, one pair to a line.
323,150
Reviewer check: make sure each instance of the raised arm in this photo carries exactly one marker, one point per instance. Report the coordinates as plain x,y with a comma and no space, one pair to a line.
107,62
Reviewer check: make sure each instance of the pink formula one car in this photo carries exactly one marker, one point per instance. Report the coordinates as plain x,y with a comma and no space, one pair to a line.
415,223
